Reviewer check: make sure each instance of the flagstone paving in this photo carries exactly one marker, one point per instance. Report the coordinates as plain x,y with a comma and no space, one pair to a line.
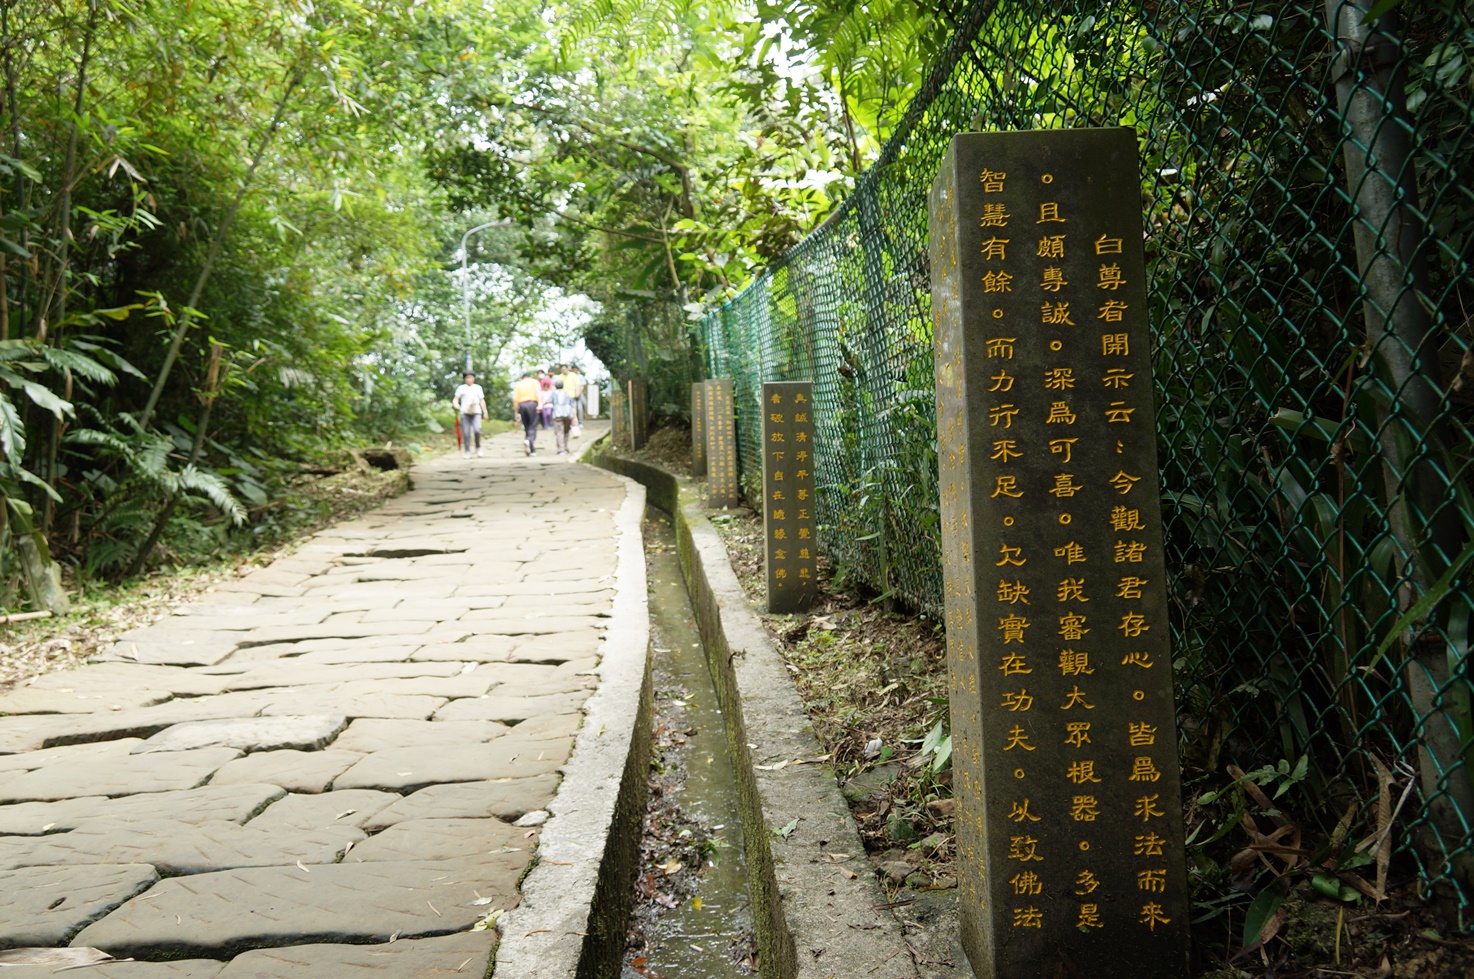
317,770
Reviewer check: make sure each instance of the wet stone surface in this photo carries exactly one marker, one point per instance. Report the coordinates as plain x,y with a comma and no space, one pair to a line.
325,754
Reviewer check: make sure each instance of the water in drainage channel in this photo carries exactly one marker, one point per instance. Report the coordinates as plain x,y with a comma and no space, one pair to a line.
693,916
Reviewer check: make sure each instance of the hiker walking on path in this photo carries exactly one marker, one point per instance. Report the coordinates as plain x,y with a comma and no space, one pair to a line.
469,401
545,381
526,394
562,406
573,383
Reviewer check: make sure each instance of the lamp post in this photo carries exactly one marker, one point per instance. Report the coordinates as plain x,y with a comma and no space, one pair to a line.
466,282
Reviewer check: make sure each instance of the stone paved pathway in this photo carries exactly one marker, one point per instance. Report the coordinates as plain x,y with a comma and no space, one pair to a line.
320,769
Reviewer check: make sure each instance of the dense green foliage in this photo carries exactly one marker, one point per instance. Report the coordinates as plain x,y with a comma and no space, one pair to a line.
230,232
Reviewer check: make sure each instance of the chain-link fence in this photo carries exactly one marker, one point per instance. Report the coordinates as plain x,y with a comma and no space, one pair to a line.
1309,211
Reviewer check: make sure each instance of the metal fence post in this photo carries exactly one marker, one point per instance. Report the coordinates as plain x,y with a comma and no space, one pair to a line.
1389,238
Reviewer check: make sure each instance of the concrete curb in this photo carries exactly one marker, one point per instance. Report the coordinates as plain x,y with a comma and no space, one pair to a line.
818,907
576,900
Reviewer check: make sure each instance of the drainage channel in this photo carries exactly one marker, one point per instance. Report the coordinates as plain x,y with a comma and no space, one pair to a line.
693,915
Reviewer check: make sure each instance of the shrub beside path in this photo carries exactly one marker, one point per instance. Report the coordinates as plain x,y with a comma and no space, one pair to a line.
338,763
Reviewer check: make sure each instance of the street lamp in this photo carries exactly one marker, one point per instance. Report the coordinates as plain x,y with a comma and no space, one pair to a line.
466,282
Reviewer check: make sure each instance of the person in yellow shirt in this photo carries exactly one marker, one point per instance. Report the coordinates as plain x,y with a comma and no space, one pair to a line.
573,384
525,396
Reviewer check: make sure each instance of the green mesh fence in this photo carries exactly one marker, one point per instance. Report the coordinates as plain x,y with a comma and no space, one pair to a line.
1311,311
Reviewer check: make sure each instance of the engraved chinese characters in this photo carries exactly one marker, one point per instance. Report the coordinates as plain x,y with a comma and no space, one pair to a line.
1069,822
698,428
721,445
788,495
619,420
639,389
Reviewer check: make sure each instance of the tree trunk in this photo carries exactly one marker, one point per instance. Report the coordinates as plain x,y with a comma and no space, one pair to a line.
1404,361
186,317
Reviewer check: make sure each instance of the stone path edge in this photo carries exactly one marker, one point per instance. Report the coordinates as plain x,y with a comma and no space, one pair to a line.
576,900
812,921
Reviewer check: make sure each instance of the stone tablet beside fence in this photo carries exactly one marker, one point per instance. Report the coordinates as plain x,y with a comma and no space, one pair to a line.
721,446
639,412
1069,821
698,429
791,555
619,422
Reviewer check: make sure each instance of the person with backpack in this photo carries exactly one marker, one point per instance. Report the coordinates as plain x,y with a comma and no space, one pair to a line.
562,408
573,383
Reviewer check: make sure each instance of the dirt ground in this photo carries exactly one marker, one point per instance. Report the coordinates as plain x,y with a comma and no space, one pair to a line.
874,681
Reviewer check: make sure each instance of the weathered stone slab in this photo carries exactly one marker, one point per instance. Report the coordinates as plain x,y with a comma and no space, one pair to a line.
536,589
181,969
295,771
41,757
31,701
359,654
302,811
117,776
376,734
534,649
103,677
295,672
548,726
355,705
303,732
275,575
355,903
248,589
467,955
538,679
526,626
510,708
140,723
406,769
478,649
439,611
175,649
471,684
380,633
443,839
507,799
236,803
41,906
176,848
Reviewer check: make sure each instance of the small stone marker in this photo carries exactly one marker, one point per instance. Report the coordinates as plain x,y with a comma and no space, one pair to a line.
788,495
721,446
619,422
1065,751
639,409
698,428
